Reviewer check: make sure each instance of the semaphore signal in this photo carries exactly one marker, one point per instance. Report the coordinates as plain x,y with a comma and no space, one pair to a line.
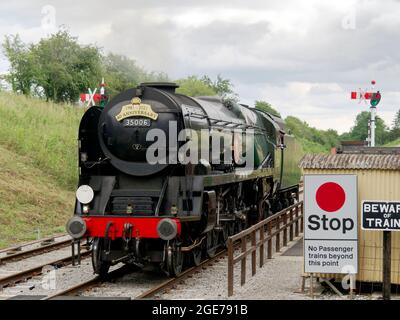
92,98
374,98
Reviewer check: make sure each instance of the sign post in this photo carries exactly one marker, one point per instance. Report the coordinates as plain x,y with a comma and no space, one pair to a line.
383,216
387,261
330,224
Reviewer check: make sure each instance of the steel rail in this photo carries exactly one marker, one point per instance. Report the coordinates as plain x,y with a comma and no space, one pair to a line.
35,271
33,242
75,289
20,255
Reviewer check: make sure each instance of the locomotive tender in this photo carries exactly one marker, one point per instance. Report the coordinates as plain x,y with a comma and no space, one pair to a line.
173,212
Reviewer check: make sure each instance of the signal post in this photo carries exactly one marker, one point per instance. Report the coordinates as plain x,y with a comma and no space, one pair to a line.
375,98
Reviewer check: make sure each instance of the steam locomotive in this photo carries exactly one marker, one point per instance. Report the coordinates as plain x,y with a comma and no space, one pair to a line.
142,200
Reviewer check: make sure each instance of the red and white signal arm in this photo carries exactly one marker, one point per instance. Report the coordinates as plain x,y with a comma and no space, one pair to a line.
330,224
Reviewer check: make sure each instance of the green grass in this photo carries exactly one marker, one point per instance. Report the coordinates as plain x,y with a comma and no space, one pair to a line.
38,166
30,200
43,131
311,146
395,143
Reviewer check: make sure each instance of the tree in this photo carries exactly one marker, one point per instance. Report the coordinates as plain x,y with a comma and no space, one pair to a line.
345,136
223,87
332,137
311,139
21,71
396,120
394,133
266,107
193,86
360,129
63,68
3,82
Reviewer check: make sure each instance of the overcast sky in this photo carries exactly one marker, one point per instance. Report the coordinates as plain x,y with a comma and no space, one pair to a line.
304,57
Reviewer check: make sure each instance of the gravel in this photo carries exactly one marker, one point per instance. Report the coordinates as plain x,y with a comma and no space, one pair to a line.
279,278
51,282
131,285
28,263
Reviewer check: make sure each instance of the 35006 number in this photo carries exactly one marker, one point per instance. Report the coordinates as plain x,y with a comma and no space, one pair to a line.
138,122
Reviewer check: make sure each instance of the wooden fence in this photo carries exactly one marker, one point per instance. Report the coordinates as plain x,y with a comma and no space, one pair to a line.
289,219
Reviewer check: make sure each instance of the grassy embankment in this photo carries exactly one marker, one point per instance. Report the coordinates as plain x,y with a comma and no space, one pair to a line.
395,143
38,166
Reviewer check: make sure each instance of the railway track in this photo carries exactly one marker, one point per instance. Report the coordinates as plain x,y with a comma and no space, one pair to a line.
30,243
173,282
164,286
88,284
18,253
25,275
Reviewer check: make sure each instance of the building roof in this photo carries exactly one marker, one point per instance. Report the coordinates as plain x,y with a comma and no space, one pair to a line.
353,148
351,161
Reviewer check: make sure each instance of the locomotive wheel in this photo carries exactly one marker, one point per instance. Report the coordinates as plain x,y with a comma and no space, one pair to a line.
278,206
100,267
229,229
196,255
193,257
265,210
211,243
175,260
239,226
285,203
261,210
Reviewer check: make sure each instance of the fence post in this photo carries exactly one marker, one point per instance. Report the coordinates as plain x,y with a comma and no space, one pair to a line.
243,263
296,232
278,234
302,218
291,224
261,246
285,229
269,245
253,253
230,267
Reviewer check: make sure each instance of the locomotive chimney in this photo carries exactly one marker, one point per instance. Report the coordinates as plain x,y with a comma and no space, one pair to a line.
165,86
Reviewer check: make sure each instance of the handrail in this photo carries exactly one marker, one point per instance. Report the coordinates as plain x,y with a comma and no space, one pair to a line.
273,226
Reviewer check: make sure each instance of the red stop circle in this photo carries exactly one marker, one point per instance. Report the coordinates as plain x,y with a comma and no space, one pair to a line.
330,197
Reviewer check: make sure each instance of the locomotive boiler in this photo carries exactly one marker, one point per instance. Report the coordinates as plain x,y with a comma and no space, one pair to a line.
165,179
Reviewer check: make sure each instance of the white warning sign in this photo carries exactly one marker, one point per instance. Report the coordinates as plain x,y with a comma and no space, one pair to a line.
330,224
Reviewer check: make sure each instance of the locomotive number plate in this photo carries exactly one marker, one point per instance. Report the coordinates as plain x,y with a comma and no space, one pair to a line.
137,122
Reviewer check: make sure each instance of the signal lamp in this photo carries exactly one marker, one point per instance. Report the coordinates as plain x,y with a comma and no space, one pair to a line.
376,97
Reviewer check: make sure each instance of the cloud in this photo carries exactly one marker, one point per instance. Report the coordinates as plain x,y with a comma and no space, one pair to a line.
303,57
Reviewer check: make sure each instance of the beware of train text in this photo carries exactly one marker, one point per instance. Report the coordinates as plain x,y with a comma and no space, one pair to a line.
381,215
